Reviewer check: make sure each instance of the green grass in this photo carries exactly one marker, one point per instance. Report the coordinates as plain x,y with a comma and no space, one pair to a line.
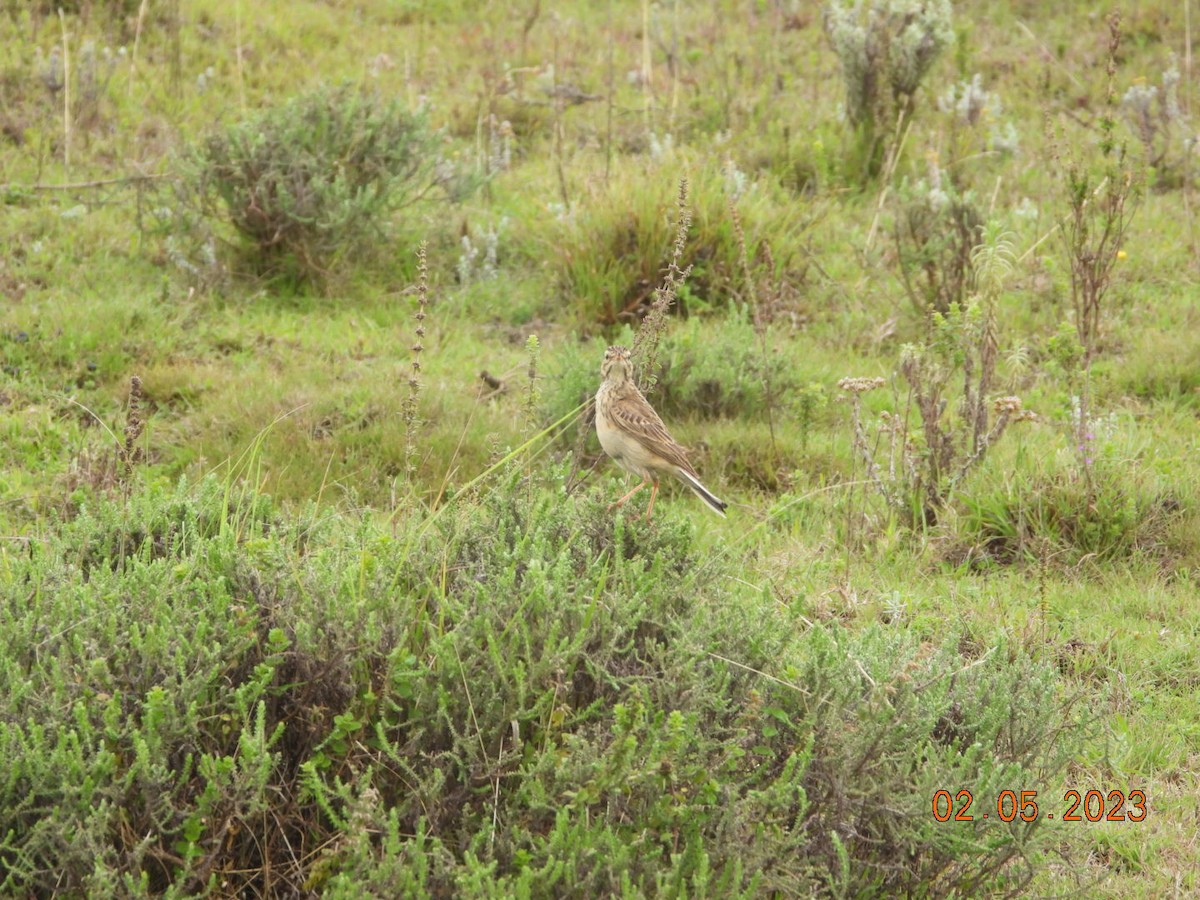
490,686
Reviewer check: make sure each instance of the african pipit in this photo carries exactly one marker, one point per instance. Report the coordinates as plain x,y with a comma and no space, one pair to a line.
634,436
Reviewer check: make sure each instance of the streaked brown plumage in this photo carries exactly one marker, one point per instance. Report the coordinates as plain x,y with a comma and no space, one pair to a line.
631,432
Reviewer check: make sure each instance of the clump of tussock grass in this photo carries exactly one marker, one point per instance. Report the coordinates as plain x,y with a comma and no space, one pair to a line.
1051,516
609,262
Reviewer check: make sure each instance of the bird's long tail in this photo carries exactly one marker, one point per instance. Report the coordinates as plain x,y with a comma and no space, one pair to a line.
717,506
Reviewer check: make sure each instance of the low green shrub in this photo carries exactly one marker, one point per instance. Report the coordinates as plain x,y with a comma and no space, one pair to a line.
304,186
718,372
521,695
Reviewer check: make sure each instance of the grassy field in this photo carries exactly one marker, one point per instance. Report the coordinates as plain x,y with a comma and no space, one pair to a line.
297,616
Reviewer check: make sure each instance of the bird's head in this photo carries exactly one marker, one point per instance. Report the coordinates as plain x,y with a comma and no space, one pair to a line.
616,366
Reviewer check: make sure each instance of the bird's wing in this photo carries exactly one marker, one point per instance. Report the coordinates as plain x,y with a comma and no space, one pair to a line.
634,415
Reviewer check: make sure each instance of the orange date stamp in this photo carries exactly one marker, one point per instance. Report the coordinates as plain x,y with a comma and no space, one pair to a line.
1095,806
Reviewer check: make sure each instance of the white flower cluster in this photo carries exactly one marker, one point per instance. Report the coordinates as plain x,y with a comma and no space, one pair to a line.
1158,118
900,37
469,268
936,195
927,29
973,105
736,182
860,385
848,36
1139,101
1026,209
204,263
1092,427
205,78
92,69
660,148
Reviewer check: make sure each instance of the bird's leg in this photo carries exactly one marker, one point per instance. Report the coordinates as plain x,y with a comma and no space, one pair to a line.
653,494
620,502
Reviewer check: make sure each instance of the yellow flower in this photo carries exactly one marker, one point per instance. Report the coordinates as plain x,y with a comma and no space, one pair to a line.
1121,254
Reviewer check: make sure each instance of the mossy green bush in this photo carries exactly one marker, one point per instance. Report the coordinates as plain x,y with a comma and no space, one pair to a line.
521,695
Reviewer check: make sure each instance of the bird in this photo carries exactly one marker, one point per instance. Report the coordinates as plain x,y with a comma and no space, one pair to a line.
632,433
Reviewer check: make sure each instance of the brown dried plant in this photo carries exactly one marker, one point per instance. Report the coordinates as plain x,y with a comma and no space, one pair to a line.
649,335
135,424
104,471
411,420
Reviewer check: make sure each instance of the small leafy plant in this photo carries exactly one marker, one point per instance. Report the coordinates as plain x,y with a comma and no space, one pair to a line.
937,228
971,109
917,473
1100,196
